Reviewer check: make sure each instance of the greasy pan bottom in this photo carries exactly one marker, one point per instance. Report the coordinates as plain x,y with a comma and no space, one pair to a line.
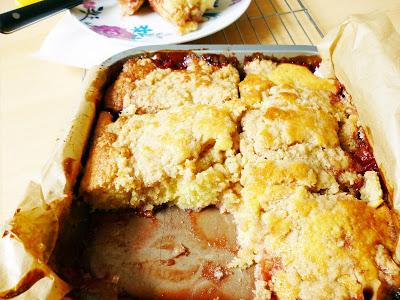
173,254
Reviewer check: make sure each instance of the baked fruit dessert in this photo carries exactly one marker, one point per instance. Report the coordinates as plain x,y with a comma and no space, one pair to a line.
147,85
185,155
188,115
281,151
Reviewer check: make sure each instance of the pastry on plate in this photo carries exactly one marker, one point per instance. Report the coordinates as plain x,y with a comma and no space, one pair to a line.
184,14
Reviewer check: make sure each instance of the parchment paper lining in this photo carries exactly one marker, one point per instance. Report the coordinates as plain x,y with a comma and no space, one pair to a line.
363,53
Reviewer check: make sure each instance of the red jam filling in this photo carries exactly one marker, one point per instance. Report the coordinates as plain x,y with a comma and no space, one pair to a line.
178,60
362,158
311,62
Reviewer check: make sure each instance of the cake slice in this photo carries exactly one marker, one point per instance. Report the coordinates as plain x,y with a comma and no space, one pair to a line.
148,85
184,156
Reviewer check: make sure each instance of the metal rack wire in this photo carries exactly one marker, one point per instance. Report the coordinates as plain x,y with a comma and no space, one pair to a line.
270,22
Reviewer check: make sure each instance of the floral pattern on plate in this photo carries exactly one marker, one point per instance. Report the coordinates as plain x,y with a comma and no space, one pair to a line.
104,17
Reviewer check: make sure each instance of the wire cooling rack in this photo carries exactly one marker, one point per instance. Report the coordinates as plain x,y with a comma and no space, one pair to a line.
281,22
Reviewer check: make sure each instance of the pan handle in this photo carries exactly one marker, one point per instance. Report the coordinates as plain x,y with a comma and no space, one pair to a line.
16,19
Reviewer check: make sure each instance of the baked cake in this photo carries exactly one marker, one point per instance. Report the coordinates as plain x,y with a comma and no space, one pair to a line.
287,158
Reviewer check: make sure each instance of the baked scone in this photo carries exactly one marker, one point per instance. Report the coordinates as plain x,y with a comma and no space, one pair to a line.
129,7
147,86
184,156
296,115
185,14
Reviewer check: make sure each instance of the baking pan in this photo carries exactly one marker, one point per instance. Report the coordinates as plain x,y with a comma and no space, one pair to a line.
171,254
55,245
239,51
59,246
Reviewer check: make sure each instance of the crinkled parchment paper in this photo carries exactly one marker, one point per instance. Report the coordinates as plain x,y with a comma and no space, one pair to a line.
363,52
28,240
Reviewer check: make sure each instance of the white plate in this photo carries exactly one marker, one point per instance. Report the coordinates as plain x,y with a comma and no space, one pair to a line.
147,27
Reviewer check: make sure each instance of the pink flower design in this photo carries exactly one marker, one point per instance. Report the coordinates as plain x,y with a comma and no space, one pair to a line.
112,31
89,4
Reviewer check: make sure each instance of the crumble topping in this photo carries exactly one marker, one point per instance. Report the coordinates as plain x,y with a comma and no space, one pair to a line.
288,159
144,88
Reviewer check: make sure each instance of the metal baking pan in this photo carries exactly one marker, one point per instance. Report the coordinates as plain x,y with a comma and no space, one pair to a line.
174,254
239,51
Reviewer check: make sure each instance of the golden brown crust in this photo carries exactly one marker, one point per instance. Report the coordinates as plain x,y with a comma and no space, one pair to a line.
300,215
100,165
299,125
148,86
322,249
99,153
252,87
183,156
132,71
